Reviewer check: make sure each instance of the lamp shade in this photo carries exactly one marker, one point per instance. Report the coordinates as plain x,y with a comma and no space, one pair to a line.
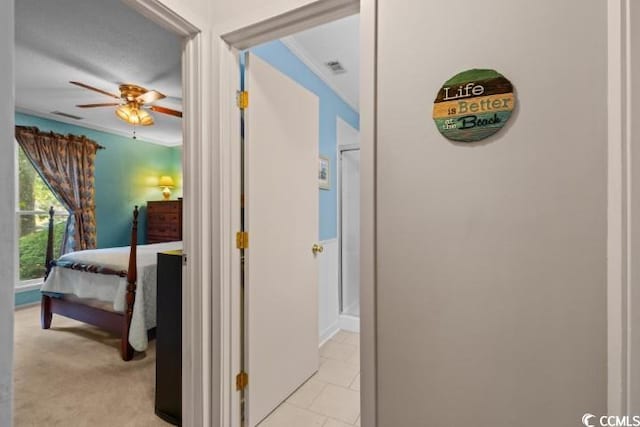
166,181
130,113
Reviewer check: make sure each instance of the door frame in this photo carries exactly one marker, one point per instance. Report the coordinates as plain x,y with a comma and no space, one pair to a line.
622,303
341,149
616,215
197,234
316,13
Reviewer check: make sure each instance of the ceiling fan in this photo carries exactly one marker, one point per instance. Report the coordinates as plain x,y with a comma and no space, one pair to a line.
133,103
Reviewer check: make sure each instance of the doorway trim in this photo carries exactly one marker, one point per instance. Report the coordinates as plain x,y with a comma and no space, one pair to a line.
339,164
619,235
316,13
196,300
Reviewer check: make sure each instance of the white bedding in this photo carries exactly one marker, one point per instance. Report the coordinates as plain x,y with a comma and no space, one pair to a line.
112,289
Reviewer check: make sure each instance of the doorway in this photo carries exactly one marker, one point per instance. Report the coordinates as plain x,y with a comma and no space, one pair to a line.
349,225
197,356
296,360
238,40
350,236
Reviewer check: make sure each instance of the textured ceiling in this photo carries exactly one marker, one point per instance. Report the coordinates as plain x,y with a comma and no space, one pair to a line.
104,43
336,41
101,43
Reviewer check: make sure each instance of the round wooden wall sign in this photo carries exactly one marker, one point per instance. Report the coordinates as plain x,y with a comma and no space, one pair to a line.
473,105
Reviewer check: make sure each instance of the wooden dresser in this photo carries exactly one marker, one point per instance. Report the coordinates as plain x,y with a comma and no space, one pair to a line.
164,221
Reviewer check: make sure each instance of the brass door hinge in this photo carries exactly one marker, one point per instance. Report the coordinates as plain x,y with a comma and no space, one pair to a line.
242,240
242,380
243,100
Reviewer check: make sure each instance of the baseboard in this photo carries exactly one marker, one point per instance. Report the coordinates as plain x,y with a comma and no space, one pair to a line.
328,296
25,306
349,323
26,298
329,333
353,308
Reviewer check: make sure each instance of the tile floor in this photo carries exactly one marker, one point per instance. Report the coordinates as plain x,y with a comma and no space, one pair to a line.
331,398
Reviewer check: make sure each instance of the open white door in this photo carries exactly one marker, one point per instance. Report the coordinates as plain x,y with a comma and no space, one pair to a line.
281,217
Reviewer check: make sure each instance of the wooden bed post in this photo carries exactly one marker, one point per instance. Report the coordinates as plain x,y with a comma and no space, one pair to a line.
132,276
45,312
45,303
50,241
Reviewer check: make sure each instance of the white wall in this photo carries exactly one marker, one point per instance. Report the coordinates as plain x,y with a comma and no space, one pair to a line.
328,290
346,135
7,211
492,257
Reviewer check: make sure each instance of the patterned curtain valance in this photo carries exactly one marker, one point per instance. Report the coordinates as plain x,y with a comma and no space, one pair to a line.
67,164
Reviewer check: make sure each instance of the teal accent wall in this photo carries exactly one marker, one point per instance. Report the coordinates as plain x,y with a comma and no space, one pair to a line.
176,170
331,107
127,173
31,296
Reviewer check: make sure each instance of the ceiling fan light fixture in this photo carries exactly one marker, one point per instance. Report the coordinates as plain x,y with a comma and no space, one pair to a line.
134,115
135,97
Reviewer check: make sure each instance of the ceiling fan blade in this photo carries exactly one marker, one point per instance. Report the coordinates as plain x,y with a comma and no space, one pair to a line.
165,110
108,104
150,96
95,89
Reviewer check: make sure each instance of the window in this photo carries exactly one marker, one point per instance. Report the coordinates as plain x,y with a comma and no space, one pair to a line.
34,198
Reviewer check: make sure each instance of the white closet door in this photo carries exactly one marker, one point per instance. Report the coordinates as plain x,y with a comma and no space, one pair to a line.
281,201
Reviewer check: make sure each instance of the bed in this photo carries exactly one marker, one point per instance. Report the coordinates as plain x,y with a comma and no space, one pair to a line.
113,289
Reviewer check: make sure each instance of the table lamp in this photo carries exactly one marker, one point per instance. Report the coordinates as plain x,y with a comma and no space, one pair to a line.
166,182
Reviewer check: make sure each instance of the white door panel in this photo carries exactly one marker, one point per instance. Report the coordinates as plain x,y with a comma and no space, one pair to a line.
281,201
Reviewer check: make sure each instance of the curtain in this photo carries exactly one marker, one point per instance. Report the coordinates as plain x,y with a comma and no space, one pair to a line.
66,163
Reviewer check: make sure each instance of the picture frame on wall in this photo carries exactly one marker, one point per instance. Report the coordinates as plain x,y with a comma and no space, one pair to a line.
324,173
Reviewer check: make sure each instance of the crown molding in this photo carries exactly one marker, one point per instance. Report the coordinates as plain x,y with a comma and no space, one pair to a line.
158,12
304,56
91,126
311,15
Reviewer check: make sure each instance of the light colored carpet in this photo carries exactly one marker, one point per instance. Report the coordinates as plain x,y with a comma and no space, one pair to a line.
72,375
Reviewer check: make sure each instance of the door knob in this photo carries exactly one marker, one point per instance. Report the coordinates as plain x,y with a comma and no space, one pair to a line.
317,249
